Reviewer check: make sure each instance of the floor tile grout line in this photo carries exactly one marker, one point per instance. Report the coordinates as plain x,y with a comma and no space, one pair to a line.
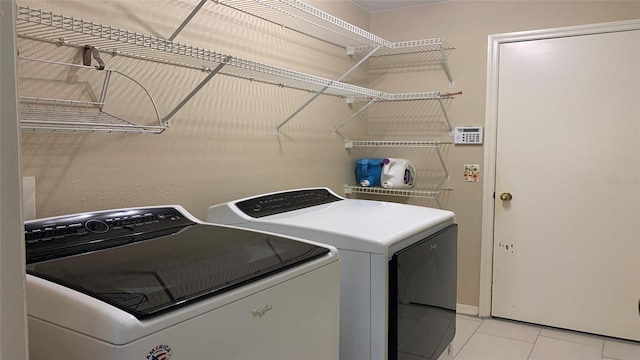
572,341
467,341
508,338
534,344
475,332
540,335
511,338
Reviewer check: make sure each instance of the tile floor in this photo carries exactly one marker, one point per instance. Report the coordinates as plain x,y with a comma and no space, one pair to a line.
494,339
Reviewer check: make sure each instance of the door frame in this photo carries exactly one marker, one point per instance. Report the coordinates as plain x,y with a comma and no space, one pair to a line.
13,328
490,133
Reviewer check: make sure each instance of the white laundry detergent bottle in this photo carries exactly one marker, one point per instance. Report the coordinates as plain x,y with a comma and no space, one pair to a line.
398,173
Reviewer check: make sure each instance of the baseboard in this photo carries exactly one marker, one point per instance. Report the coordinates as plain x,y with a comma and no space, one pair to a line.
467,309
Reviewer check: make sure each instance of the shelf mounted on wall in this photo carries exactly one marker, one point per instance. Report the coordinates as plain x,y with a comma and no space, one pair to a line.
310,21
432,194
385,97
54,114
419,47
46,26
350,144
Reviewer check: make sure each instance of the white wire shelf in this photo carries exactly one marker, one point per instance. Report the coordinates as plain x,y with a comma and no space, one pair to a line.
425,144
432,95
412,53
47,26
306,19
54,114
432,194
349,144
35,119
436,95
408,47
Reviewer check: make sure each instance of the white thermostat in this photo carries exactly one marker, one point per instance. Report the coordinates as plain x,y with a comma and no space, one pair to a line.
467,135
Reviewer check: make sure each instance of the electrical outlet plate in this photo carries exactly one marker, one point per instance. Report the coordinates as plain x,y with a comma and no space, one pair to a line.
471,172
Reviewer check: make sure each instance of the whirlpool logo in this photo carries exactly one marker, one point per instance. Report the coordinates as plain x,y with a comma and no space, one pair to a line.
160,352
260,312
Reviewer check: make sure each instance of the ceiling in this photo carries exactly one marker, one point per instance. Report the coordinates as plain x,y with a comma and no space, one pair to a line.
381,5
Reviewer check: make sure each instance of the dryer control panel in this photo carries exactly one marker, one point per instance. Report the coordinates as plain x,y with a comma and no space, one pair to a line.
74,234
285,201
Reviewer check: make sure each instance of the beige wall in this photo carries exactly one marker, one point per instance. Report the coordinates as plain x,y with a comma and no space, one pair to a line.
222,145
467,24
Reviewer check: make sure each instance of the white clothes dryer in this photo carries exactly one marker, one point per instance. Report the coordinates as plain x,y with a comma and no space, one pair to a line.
156,283
398,265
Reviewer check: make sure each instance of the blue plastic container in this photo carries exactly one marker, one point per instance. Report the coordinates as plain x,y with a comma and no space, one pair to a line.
369,171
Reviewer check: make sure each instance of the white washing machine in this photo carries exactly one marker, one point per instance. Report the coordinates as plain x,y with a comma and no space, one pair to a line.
398,265
157,284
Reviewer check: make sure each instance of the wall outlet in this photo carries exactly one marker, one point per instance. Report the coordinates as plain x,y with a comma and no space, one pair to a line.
471,172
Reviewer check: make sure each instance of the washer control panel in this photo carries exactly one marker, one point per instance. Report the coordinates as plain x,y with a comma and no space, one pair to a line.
73,234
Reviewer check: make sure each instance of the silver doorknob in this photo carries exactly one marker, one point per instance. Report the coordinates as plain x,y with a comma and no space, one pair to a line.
505,196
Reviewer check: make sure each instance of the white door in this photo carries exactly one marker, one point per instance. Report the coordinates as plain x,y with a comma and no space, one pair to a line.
567,245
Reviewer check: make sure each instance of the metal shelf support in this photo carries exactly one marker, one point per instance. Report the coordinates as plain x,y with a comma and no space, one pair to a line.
444,166
194,91
445,64
188,19
446,116
335,130
325,89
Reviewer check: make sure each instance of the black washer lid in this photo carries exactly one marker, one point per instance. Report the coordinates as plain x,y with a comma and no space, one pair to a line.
150,277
